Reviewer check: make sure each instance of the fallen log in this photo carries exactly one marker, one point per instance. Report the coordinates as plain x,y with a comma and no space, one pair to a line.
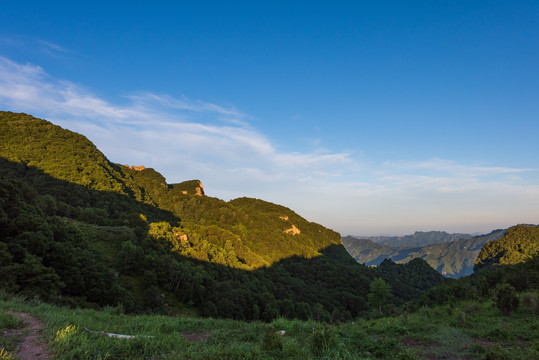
119,336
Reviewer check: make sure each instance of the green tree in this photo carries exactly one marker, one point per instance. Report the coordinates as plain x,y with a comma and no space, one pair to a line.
379,293
129,256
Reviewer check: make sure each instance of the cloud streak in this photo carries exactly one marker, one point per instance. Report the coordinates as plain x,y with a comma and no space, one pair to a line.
152,123
185,139
451,167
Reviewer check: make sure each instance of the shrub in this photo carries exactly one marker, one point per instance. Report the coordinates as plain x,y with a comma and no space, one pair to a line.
8,321
460,318
471,308
272,340
506,299
322,340
477,349
531,301
496,353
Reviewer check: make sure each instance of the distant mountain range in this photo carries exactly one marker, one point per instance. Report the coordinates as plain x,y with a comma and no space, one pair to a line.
450,258
419,238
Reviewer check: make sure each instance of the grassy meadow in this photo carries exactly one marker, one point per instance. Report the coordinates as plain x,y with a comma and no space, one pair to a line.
466,330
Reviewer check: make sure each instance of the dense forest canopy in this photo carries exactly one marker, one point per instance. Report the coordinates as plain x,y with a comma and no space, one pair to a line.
520,243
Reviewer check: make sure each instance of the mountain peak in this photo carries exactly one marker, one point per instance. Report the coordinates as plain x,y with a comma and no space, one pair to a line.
193,187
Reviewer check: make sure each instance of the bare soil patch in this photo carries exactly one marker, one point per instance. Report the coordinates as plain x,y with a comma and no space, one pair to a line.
437,351
31,346
196,337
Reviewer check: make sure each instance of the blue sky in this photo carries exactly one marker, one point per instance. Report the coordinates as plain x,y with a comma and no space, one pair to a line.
369,117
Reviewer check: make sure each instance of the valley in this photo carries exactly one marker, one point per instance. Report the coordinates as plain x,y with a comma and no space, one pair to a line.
451,258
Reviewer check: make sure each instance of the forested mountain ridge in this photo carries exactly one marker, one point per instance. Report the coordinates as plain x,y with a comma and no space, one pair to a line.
65,155
452,259
131,238
367,251
519,244
417,239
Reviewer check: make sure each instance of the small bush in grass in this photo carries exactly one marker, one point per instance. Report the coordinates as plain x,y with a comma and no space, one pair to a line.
291,349
460,317
424,311
531,301
496,353
385,348
322,340
15,299
471,308
64,333
8,321
497,334
272,340
114,310
533,352
506,299
407,354
8,342
477,349
4,355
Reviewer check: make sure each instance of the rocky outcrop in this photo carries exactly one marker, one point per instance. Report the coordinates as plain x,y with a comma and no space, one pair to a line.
190,187
199,190
183,239
136,168
293,230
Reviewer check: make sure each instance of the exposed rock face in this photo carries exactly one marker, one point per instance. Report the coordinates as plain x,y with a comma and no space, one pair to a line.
199,190
190,187
183,239
136,168
293,230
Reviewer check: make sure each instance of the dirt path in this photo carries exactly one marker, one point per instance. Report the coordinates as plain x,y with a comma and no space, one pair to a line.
31,347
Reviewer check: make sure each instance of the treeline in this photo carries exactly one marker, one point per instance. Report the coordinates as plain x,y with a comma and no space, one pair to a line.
72,262
46,255
505,268
493,282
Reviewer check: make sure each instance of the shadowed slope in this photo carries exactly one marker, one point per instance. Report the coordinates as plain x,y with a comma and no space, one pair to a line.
103,233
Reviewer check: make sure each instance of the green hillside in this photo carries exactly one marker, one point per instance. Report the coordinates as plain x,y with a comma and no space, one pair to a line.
80,230
520,243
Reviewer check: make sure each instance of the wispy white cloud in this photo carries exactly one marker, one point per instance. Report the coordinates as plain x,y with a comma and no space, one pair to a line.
154,123
52,46
452,167
185,138
183,103
35,45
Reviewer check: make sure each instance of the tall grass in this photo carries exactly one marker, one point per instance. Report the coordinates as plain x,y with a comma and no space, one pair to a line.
471,330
